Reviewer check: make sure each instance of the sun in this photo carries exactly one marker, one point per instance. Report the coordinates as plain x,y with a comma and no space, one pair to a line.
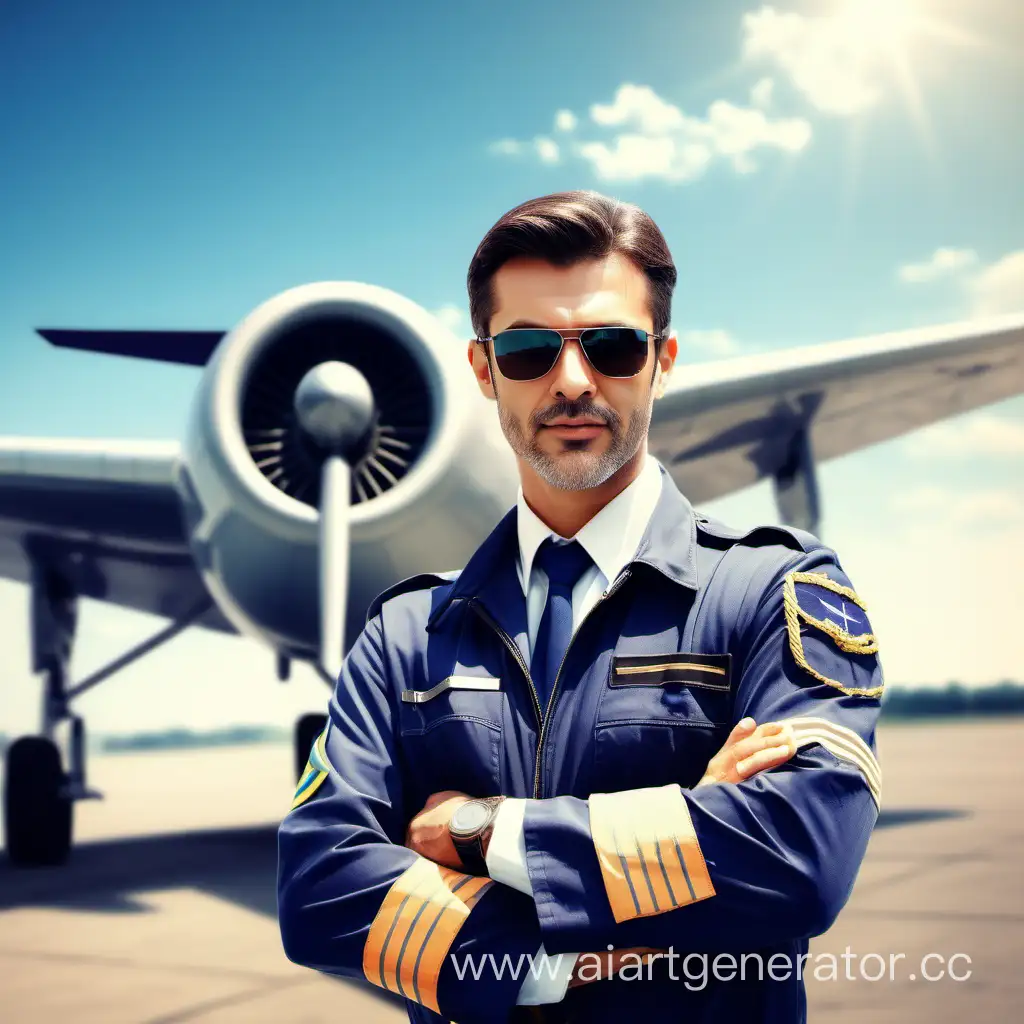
881,24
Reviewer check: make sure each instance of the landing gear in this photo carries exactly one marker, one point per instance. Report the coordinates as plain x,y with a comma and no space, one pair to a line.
39,791
307,729
37,809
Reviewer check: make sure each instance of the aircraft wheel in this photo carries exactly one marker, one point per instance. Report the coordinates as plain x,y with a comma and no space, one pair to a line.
37,816
307,729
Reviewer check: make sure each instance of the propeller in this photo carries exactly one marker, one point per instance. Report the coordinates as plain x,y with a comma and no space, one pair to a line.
334,406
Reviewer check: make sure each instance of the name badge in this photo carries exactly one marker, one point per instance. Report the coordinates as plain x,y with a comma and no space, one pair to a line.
710,671
451,683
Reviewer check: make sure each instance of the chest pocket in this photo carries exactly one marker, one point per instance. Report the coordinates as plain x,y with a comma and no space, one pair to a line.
452,735
660,719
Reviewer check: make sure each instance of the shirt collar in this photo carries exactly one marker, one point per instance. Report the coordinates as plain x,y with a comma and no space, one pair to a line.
610,537
668,545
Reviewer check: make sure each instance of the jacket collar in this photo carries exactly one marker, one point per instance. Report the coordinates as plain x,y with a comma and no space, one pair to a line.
669,545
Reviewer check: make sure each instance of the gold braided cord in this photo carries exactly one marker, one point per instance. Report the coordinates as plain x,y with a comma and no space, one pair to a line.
847,642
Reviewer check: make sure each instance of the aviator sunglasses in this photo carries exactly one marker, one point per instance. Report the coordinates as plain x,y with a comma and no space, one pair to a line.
528,353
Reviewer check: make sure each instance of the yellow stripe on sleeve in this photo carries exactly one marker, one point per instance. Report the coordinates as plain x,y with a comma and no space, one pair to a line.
648,851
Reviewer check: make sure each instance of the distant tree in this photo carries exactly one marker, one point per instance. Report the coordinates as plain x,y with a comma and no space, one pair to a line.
1002,698
185,738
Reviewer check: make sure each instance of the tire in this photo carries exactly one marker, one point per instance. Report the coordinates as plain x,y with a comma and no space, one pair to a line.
307,729
37,818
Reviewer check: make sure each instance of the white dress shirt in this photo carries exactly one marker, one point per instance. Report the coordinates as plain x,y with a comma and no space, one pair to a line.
611,538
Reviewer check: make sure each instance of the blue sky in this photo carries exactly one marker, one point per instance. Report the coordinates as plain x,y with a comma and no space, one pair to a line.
174,164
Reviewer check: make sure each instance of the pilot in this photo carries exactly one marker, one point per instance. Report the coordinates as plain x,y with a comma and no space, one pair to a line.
621,766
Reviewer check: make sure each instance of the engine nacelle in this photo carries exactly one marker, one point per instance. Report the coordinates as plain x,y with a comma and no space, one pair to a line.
251,476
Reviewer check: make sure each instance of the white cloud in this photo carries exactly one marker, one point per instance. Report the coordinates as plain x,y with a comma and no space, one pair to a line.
980,434
942,263
565,121
831,60
761,92
716,343
547,149
991,289
999,287
455,318
631,157
738,130
506,147
640,106
658,140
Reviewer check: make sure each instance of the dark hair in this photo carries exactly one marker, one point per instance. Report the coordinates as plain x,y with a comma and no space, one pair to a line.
566,228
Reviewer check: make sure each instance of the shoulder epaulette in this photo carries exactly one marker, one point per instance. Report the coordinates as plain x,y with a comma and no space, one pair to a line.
421,581
757,536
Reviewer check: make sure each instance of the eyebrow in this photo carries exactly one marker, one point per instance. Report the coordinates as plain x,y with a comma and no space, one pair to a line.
531,323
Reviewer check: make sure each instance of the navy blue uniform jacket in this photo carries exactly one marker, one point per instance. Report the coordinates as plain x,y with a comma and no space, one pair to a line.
703,627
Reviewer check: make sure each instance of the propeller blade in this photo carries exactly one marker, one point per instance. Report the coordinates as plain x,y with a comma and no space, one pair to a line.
334,559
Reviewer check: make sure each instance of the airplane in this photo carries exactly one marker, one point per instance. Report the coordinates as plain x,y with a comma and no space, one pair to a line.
337,444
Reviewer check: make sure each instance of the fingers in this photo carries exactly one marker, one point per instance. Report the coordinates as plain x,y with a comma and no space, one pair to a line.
771,734
741,730
770,757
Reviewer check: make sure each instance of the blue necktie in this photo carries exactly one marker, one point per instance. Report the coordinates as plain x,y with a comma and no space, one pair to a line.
563,564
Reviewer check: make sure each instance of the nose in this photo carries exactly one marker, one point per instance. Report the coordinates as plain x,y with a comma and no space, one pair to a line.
573,375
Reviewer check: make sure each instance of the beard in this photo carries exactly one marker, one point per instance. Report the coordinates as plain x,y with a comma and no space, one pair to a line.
577,467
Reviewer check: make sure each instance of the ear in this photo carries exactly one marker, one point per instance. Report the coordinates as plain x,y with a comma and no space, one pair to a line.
666,360
481,369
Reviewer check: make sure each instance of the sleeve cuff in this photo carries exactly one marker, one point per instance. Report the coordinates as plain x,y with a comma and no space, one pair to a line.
548,979
506,852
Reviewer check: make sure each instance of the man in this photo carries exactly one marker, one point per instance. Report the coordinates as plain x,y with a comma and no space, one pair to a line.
519,768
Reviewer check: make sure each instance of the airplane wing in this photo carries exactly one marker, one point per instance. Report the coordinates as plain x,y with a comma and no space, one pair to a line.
107,513
723,426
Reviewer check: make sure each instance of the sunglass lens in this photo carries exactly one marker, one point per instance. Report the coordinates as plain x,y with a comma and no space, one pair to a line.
524,354
615,351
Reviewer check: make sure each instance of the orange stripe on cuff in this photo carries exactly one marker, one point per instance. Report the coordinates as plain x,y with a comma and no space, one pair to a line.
449,918
648,852
383,927
614,870
415,927
687,849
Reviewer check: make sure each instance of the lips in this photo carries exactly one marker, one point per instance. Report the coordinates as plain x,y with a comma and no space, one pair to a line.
581,431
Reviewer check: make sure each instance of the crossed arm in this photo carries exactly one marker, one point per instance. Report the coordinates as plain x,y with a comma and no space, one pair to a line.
750,748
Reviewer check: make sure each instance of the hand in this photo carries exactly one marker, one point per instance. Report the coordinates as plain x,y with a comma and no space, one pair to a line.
750,748
428,833
598,966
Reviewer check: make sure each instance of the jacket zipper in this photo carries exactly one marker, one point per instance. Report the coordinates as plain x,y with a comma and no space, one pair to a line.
542,719
507,640
619,580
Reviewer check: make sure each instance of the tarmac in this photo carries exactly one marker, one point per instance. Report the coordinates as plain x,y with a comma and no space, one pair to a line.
166,911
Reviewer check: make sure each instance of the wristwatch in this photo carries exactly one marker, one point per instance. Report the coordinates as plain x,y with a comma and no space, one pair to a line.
470,828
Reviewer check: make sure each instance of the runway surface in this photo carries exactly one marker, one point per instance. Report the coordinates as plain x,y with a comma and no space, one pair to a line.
166,912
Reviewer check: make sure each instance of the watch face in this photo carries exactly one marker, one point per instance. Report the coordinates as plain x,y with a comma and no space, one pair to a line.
470,817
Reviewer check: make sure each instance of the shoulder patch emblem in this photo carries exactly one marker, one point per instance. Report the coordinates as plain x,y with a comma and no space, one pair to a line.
812,598
315,771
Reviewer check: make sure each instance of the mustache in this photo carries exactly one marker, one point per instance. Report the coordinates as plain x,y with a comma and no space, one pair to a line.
574,410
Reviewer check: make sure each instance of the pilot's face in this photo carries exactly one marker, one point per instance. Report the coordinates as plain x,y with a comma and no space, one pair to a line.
595,293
